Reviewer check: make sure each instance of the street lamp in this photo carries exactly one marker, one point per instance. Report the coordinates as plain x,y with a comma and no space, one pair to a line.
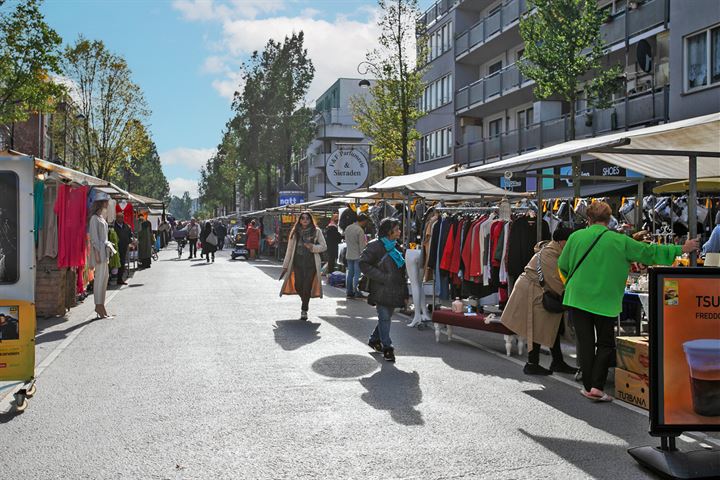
363,68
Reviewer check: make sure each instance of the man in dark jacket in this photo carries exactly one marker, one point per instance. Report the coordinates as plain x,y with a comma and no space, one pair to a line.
124,240
220,233
333,239
383,263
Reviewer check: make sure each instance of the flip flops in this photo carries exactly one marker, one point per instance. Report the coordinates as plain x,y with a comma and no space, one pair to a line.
604,398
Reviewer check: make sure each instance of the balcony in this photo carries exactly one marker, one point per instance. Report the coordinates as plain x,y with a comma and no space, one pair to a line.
489,26
646,16
437,11
641,109
487,88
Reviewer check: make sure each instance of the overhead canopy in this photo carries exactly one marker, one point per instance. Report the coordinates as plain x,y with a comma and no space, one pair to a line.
676,139
147,201
66,173
706,185
434,185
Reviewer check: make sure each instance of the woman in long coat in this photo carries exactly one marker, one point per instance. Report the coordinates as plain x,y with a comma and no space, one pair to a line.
302,262
252,241
524,313
102,250
208,248
145,242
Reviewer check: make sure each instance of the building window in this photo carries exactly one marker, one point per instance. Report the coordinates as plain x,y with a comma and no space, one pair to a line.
440,41
436,144
494,68
702,59
438,93
495,128
525,118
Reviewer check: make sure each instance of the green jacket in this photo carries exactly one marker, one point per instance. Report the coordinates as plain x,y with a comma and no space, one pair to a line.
599,285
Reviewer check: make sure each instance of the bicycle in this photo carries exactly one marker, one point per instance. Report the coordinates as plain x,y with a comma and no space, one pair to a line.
154,254
180,245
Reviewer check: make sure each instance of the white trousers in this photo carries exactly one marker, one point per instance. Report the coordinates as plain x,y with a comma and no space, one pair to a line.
415,262
102,275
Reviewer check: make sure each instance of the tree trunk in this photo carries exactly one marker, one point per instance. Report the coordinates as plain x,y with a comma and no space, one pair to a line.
576,167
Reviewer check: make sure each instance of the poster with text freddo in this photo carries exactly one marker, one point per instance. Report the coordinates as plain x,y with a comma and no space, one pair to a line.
691,351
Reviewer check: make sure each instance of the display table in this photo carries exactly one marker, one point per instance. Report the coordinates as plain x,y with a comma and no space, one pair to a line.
475,322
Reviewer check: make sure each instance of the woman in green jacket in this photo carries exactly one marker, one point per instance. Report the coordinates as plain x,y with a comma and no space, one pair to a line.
595,288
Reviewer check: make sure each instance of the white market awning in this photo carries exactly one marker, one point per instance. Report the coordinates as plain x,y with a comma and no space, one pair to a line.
677,141
435,185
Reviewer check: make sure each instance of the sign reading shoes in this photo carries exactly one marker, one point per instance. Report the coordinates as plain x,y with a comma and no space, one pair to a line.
347,169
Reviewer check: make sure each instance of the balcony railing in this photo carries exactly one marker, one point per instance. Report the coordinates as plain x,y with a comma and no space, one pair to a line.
646,16
437,11
489,26
640,109
487,88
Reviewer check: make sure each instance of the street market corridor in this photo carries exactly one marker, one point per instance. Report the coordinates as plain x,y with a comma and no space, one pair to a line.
205,372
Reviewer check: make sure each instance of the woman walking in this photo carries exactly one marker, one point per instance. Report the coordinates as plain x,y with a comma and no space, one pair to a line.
253,239
525,313
102,250
145,243
595,263
384,265
208,239
302,261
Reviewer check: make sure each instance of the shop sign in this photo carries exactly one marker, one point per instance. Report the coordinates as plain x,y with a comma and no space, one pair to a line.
291,197
684,350
347,169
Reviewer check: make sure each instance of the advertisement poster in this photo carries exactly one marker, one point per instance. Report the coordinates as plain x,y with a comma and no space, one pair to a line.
17,341
687,380
8,228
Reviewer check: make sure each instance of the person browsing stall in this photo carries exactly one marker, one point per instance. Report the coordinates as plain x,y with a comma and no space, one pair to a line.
594,266
356,241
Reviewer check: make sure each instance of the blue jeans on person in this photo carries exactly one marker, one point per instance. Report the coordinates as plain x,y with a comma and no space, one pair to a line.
382,330
352,277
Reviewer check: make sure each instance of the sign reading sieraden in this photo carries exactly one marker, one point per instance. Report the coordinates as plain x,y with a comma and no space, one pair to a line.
347,169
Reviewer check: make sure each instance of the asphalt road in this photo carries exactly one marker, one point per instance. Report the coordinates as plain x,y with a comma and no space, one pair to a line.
206,373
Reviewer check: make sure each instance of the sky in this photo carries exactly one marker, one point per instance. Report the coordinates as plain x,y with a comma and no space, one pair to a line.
186,56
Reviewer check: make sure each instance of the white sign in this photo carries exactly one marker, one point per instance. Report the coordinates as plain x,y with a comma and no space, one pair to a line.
347,169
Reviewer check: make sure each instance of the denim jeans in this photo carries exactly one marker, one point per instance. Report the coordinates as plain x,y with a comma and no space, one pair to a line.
382,330
352,276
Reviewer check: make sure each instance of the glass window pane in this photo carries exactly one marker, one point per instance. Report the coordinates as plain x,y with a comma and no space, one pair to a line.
715,55
9,261
696,55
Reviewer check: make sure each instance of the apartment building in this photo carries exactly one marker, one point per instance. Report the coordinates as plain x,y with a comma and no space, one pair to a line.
335,129
481,109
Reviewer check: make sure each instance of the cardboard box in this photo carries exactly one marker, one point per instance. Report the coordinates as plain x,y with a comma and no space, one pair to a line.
633,354
632,388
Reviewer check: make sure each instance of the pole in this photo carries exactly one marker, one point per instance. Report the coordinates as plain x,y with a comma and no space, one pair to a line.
692,206
638,205
539,223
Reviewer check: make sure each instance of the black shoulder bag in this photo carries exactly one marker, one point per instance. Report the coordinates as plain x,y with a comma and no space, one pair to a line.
552,302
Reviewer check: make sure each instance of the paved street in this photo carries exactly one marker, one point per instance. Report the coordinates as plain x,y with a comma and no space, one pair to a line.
205,373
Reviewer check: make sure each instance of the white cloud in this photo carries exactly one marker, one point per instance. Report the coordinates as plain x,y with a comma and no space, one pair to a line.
193,158
178,186
227,86
205,10
214,65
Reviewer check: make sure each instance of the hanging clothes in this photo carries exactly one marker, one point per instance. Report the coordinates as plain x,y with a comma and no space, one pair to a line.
522,243
111,212
39,200
71,209
48,238
125,209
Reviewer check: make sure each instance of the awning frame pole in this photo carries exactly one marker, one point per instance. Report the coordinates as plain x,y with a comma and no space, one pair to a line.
539,223
692,205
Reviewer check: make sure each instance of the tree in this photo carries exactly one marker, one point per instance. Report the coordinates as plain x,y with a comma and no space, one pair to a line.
143,175
180,208
29,55
111,108
390,114
563,50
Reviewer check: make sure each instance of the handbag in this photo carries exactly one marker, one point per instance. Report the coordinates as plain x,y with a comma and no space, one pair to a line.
552,302
212,239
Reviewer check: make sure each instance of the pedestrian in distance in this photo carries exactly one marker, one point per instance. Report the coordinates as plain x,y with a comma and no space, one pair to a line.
209,241
221,232
193,234
302,264
125,238
594,265
356,241
145,243
253,239
102,250
333,239
383,263
525,313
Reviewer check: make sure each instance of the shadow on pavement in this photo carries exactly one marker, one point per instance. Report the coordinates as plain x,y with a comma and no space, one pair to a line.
345,366
396,391
272,271
204,264
49,322
294,334
587,456
61,334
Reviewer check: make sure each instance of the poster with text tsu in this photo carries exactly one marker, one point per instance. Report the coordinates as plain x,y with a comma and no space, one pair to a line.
687,384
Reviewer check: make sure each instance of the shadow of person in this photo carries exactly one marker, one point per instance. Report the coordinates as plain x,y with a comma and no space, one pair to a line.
396,391
293,334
